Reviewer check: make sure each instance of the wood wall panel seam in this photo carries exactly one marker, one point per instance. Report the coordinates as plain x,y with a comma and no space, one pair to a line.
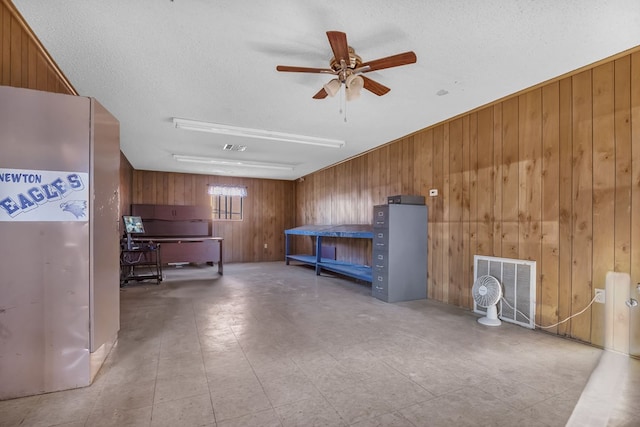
635,192
604,180
582,227
549,268
565,255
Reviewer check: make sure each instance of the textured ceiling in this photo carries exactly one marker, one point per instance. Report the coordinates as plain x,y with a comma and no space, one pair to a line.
149,61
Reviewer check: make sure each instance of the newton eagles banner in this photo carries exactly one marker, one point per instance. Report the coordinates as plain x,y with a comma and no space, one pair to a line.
32,195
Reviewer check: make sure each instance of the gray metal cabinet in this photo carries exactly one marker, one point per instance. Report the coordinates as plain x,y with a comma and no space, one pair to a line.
399,252
59,287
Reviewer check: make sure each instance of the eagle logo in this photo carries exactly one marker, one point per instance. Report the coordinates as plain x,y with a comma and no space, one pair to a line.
77,207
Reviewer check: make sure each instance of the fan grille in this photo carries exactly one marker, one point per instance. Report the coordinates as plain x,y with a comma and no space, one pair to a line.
486,291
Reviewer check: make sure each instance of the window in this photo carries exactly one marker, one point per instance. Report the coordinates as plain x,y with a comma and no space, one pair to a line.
227,202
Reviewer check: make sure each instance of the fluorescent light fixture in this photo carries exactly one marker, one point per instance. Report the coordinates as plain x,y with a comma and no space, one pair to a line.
255,133
234,163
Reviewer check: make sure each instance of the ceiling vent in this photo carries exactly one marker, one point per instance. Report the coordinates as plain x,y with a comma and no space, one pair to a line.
234,147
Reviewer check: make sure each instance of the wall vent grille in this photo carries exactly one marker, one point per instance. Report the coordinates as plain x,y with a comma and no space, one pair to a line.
518,280
234,147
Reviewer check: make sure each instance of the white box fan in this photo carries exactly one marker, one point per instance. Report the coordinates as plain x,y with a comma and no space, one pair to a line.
517,280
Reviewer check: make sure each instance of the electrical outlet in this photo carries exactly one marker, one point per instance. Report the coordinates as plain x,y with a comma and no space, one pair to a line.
265,246
600,296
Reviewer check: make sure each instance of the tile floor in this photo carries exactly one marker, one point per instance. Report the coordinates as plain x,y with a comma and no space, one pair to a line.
275,345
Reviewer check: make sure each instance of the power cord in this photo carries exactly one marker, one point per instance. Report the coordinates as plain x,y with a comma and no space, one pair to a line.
555,324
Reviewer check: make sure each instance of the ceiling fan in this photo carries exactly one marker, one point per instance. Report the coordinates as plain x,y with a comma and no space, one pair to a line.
348,69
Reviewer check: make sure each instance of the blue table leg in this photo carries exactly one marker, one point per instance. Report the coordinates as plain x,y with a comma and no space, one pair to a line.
286,248
318,254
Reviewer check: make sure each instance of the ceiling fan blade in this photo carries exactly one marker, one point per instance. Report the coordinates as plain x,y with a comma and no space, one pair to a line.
290,69
339,46
388,62
321,94
374,86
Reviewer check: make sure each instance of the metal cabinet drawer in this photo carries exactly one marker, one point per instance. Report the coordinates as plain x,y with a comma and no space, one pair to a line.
380,261
379,285
380,216
380,280
380,294
380,239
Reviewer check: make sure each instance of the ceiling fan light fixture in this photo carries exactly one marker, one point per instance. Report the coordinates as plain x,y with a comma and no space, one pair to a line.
355,82
228,130
332,87
354,85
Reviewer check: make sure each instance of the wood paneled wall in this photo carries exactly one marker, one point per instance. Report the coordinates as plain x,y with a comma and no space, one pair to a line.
268,210
551,174
25,62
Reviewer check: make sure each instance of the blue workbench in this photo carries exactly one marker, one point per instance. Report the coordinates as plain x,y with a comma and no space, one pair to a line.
354,231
